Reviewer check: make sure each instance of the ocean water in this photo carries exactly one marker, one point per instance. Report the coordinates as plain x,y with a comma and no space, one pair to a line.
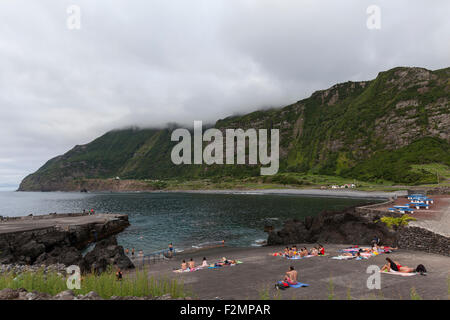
188,220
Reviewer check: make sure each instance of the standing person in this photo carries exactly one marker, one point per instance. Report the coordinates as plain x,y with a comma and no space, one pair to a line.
127,251
375,241
170,249
132,253
119,274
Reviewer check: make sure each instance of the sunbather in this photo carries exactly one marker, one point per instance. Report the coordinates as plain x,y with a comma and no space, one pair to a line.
205,263
289,279
314,252
303,252
321,250
191,264
184,265
396,266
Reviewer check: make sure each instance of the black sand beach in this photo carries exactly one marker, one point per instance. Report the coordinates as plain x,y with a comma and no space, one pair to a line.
256,276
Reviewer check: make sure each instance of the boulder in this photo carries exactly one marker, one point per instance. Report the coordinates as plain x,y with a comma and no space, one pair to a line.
344,227
65,295
106,253
9,294
89,296
59,255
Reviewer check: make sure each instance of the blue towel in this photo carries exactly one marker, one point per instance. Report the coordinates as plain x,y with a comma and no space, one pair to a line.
298,285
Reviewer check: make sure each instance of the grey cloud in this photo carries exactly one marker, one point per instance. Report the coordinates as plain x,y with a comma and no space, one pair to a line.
148,63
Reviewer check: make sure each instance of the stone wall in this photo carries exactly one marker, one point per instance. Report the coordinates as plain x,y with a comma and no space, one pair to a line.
415,238
372,211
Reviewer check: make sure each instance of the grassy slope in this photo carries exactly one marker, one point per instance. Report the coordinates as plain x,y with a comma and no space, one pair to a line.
320,136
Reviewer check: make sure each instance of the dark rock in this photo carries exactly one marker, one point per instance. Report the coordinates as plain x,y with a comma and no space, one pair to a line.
344,227
55,244
9,294
67,256
106,253
65,295
90,296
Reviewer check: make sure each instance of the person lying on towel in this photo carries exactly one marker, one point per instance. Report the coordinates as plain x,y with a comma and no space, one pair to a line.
396,266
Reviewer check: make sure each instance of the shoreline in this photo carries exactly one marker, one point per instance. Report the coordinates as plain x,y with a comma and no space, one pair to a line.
326,193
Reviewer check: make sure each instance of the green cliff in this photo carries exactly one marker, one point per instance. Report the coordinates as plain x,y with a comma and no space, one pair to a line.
377,130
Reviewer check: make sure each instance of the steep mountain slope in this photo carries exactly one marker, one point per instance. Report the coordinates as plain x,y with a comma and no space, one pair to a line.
371,130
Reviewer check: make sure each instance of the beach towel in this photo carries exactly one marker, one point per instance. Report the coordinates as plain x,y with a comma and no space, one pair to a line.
403,274
188,270
298,257
217,265
297,285
343,257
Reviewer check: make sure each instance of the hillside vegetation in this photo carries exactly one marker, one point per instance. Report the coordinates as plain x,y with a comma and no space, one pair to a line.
395,128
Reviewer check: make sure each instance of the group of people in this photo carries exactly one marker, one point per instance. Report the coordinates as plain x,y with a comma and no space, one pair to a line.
365,252
133,251
190,265
290,252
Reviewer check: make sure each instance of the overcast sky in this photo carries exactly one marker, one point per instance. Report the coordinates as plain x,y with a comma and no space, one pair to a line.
148,62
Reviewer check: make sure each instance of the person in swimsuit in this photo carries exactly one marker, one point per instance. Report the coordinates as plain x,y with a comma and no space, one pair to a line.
184,265
303,252
191,264
396,266
321,250
205,263
289,279
314,252
119,274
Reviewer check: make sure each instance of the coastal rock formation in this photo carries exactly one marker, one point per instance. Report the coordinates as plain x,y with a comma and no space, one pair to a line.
106,253
54,243
344,227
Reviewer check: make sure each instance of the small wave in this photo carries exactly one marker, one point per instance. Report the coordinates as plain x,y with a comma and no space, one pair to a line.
258,243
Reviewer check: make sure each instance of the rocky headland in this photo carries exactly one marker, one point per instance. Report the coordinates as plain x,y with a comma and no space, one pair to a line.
61,238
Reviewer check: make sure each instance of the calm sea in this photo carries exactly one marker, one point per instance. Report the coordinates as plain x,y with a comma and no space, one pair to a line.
186,219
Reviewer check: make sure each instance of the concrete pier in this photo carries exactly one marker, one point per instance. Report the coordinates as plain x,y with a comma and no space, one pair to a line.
55,238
